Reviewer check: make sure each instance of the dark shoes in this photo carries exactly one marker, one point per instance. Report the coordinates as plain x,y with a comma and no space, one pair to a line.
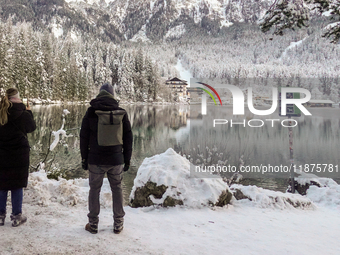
17,220
117,230
118,226
92,228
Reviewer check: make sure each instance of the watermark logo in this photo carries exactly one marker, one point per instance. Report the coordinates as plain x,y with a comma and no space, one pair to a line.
251,131
204,98
286,101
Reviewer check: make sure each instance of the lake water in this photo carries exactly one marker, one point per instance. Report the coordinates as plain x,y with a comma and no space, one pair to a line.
316,138
156,128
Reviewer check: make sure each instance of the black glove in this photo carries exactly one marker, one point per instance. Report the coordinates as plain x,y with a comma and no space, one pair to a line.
84,164
126,165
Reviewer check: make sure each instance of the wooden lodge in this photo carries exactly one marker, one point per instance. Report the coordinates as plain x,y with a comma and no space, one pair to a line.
179,87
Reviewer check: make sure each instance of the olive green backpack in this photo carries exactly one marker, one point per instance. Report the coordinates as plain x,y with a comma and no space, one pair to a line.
110,127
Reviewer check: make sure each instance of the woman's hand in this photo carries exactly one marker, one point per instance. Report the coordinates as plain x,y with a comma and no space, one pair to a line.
28,107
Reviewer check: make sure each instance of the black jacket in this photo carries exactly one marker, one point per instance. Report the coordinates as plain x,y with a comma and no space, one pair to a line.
14,147
89,148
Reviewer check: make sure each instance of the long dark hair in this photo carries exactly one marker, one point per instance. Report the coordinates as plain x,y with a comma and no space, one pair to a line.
5,104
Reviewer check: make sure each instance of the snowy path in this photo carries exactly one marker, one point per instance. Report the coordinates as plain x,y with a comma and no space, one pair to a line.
238,229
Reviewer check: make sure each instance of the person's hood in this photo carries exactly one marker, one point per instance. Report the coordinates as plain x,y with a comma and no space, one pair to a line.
104,101
15,111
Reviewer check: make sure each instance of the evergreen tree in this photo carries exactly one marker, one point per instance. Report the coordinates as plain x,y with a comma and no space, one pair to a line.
292,14
46,60
34,65
152,78
139,80
19,69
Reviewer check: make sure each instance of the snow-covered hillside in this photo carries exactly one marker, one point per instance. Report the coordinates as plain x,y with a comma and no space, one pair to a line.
159,18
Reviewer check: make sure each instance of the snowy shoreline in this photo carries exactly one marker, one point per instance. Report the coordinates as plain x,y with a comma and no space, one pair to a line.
56,226
58,103
266,224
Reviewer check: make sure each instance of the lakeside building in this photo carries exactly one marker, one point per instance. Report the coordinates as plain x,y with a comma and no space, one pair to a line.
320,103
179,87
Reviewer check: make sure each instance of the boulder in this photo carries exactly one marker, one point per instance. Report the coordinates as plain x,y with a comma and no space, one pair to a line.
306,180
165,180
302,188
238,194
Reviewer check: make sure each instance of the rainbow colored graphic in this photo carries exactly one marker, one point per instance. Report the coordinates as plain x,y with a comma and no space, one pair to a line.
209,93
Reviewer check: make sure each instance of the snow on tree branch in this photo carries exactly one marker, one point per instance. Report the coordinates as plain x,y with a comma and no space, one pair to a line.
61,132
285,14
292,14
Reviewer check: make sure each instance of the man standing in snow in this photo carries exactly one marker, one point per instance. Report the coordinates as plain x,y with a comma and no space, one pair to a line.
106,147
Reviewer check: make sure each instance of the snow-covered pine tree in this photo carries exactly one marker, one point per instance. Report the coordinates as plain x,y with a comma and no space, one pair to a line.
292,14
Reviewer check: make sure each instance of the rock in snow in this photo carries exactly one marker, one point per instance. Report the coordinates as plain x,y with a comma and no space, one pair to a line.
164,180
264,198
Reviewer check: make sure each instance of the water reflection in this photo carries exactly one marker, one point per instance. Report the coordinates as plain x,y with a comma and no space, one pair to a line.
65,157
316,140
156,128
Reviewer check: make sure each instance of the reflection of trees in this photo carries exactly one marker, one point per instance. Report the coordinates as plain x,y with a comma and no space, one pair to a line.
150,125
151,129
178,119
65,158
316,141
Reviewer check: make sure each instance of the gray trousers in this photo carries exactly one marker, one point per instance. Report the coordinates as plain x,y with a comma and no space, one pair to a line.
96,176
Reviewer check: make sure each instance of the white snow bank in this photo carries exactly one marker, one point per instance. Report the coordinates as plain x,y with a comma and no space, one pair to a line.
43,191
264,198
173,170
305,178
328,194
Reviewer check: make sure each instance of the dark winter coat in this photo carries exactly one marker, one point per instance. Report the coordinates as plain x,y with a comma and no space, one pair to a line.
14,147
104,155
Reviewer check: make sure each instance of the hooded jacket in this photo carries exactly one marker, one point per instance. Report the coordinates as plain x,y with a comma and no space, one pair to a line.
14,147
89,148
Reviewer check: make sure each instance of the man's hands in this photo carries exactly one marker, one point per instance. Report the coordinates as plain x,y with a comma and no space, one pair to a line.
126,165
84,164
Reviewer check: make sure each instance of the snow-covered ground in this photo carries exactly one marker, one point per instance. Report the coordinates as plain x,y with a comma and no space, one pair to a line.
57,214
237,229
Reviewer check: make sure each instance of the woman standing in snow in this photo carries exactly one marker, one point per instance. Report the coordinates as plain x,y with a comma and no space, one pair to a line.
16,120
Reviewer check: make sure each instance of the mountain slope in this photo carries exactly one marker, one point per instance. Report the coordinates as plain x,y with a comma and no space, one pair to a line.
118,20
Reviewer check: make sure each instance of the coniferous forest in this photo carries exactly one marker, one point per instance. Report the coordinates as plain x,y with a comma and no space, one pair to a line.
70,67
43,66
